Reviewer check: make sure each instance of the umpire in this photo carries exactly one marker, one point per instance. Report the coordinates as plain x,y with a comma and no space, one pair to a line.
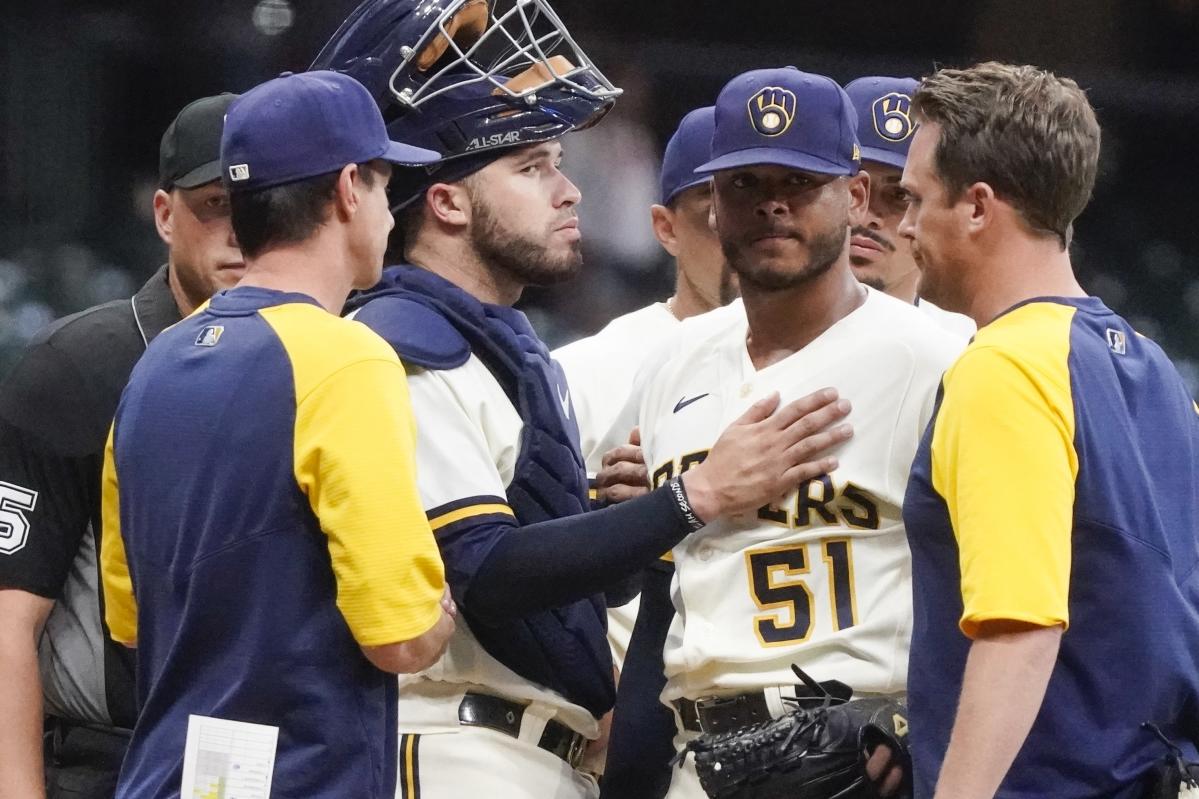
55,409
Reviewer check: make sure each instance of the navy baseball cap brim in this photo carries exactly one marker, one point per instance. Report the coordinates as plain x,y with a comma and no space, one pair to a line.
880,156
773,156
408,154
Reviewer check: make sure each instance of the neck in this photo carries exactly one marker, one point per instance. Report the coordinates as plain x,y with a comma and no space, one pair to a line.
182,301
457,262
905,288
316,267
1024,268
783,322
688,299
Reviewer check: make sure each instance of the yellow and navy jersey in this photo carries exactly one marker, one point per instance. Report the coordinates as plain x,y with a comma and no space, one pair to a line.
261,524
1058,484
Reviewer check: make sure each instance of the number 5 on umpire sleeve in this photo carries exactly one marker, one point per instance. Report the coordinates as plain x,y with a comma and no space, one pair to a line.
776,585
14,527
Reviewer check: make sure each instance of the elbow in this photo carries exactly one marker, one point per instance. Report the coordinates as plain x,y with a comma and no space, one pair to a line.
416,654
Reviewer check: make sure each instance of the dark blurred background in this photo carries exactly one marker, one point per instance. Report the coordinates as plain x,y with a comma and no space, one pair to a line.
87,87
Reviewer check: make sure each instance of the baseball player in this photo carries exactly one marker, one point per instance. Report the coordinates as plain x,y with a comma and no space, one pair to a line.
1053,504
600,370
508,711
268,558
820,577
879,256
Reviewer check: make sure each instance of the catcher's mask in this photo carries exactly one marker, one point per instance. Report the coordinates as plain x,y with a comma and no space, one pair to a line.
467,77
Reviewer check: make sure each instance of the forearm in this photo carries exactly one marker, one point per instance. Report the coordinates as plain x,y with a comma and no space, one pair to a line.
1007,672
21,771
554,563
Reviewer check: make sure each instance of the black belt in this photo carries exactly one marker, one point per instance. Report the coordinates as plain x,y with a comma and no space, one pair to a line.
504,715
724,713
68,742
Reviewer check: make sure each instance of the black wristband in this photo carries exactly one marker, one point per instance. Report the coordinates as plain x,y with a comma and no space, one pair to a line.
683,505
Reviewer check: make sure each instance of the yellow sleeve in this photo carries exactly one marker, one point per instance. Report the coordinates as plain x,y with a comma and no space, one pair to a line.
120,607
354,459
1003,459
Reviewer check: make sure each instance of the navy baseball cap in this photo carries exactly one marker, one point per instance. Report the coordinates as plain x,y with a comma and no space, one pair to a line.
885,126
299,126
690,146
784,117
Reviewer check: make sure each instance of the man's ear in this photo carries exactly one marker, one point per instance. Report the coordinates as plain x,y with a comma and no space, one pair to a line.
448,203
346,199
662,219
859,197
164,215
981,206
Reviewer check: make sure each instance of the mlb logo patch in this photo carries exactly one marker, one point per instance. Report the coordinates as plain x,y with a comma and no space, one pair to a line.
239,172
1117,342
210,335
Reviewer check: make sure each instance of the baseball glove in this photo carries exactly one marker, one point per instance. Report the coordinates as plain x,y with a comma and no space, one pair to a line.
816,751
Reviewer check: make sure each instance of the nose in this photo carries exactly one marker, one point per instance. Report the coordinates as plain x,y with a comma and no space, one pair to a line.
907,225
771,206
568,193
233,238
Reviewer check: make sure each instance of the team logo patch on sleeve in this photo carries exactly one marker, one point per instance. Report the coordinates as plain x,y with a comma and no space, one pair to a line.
1117,342
772,110
210,335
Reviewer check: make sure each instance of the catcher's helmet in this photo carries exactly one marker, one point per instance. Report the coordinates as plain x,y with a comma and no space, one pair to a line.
466,77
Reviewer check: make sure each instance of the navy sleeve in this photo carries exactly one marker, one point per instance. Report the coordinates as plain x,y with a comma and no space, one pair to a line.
642,742
499,569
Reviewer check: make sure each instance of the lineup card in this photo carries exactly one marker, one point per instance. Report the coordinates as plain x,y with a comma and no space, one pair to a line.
228,759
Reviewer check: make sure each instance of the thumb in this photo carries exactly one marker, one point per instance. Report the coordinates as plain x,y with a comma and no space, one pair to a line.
635,437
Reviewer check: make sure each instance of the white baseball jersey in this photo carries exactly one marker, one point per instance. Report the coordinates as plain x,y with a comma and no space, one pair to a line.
600,371
467,443
957,323
822,579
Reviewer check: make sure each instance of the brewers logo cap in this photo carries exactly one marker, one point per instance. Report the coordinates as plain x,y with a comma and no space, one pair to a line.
784,117
690,146
299,126
885,124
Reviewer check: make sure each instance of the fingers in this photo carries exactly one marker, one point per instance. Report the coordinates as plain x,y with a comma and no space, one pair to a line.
625,452
635,437
796,410
883,771
760,410
621,493
448,604
623,473
815,421
816,444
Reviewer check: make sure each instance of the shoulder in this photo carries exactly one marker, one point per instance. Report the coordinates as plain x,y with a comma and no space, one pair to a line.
415,331
70,376
319,344
900,326
621,332
956,323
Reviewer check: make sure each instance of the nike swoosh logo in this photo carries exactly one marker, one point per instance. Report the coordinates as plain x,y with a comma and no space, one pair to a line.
565,400
684,402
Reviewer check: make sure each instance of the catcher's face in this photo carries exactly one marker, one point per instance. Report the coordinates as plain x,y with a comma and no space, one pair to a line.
523,216
202,250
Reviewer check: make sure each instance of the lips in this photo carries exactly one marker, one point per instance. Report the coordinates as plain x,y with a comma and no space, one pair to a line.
232,266
865,243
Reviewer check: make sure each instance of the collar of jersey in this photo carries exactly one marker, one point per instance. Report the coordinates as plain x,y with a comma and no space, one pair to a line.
245,300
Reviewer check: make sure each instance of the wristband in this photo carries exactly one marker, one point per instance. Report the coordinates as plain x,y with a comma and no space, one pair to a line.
683,505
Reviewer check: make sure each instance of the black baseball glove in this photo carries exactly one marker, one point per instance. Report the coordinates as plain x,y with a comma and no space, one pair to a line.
816,751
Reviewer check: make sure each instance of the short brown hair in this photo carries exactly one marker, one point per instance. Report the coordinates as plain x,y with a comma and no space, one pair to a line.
289,214
1029,134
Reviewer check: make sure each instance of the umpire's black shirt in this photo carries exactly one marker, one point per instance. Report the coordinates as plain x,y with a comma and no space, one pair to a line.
55,410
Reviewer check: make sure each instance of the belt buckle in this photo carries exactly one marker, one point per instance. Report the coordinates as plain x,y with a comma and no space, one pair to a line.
574,753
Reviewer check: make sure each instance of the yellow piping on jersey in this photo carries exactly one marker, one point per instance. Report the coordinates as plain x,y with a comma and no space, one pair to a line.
437,522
